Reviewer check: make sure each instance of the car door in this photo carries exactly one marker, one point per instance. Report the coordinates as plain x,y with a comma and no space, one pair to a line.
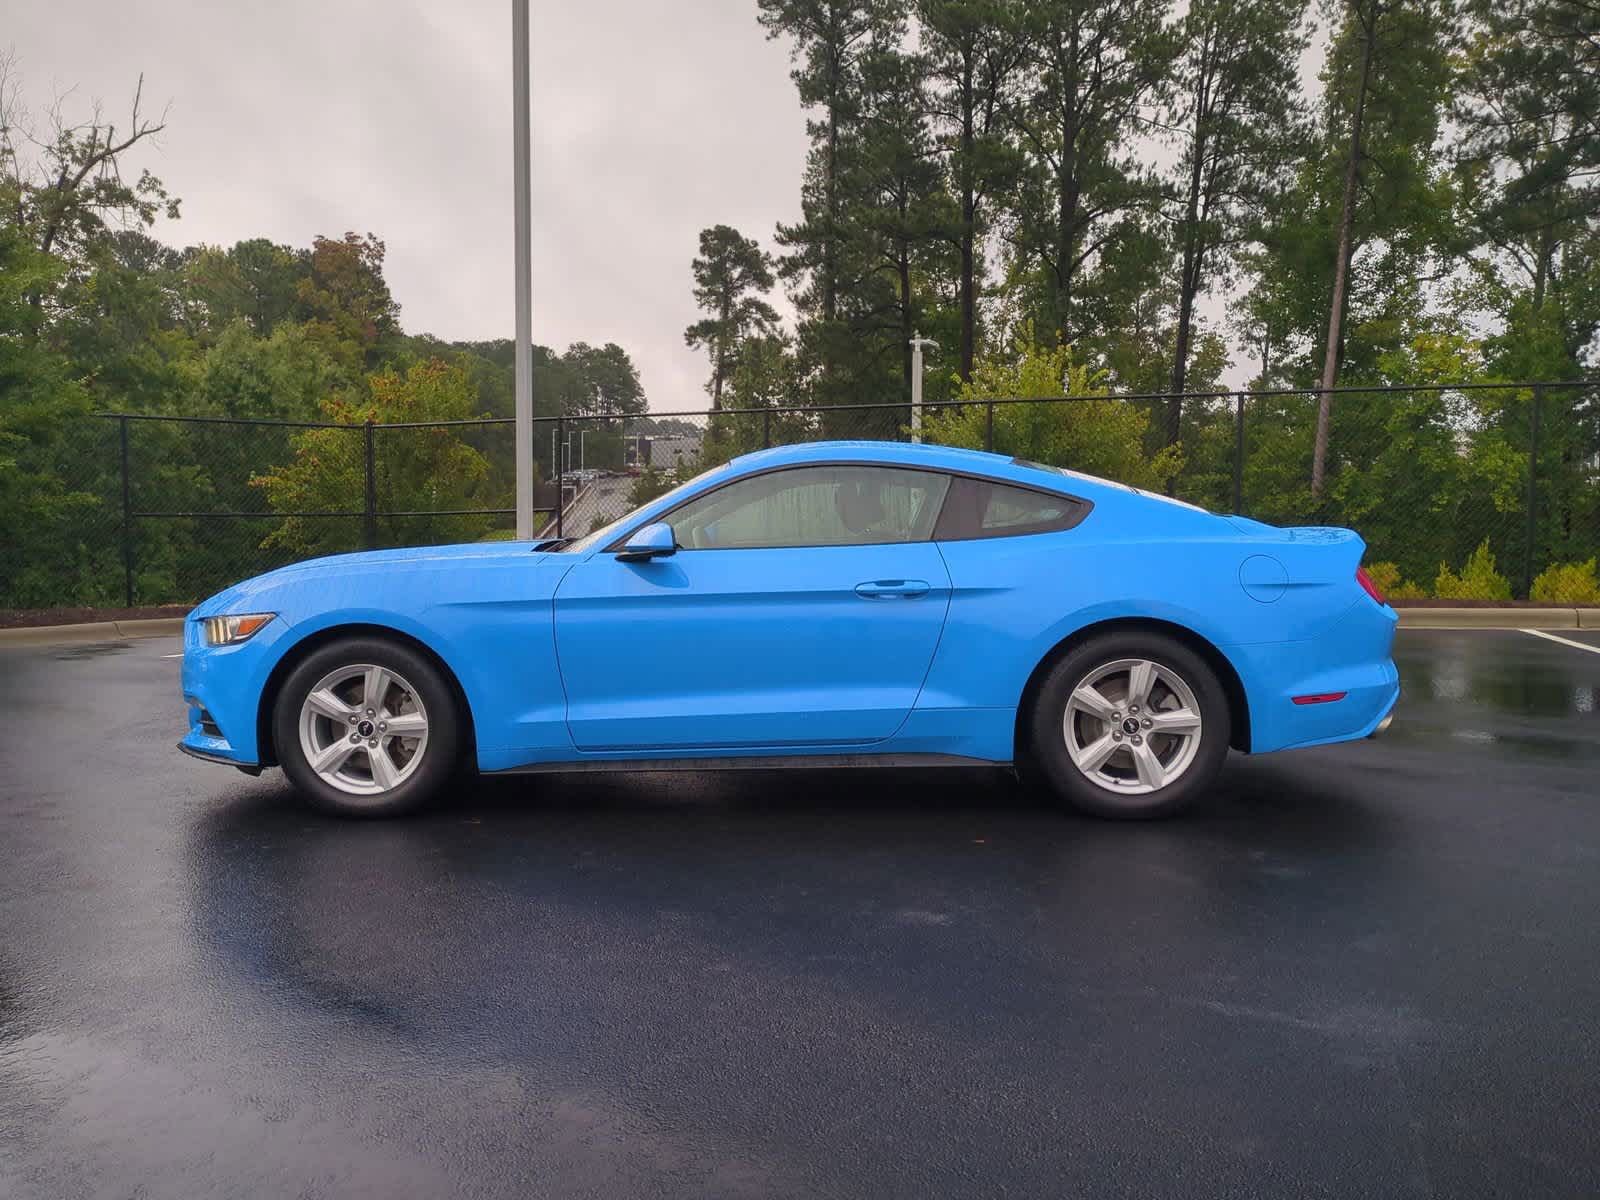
803,608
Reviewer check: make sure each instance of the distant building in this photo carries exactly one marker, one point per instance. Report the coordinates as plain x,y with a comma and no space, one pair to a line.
663,452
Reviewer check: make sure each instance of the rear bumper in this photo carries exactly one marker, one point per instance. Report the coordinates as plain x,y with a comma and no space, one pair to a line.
1350,659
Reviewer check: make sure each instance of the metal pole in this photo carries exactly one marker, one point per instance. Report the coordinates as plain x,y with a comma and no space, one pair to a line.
1533,492
371,522
917,343
127,520
561,474
916,387
1238,455
988,427
766,429
522,253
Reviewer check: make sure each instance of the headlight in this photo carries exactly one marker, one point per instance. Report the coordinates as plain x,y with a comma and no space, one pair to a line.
229,631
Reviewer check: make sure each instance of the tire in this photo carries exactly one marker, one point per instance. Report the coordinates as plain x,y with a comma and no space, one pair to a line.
325,703
1104,765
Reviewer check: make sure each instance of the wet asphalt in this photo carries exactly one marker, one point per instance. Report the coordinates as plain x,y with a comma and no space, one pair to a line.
1370,970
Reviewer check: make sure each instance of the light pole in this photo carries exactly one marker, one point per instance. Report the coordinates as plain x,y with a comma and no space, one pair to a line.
522,253
917,343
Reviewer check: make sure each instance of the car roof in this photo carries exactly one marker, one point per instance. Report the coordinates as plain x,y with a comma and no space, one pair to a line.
929,457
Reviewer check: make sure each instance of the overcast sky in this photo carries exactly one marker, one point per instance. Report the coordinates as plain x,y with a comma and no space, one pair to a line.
651,120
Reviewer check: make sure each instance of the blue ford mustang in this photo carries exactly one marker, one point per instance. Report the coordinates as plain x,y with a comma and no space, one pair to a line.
843,602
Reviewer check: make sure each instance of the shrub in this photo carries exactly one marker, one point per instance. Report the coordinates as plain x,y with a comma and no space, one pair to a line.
1478,579
1103,437
1386,575
1567,583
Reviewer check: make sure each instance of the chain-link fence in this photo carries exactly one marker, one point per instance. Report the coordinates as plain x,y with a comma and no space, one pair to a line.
169,509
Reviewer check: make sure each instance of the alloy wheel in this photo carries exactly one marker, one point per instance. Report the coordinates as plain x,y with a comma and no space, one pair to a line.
363,729
1132,726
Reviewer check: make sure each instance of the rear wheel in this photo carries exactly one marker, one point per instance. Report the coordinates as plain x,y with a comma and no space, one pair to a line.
367,727
1128,725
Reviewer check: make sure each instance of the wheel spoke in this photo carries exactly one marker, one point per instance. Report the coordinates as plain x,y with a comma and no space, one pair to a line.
1087,699
412,724
375,689
1151,773
1093,756
1141,678
331,757
1177,721
384,773
325,702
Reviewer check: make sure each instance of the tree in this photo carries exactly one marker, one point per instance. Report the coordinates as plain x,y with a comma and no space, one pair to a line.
1104,437
1236,109
420,470
971,55
730,274
345,301
828,36
1094,65
1386,79
256,280
897,210
65,189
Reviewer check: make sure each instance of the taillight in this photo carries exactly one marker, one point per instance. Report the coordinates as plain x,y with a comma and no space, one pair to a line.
1368,586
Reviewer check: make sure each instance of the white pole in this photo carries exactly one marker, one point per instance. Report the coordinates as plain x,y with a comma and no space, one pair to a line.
917,343
522,253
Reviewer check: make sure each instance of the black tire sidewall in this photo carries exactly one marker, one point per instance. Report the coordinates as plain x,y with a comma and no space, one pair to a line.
439,761
1050,764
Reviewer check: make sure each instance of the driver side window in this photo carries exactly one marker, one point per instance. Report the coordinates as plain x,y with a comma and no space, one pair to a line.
814,506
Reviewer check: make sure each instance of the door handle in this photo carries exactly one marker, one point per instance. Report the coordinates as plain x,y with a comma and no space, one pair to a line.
879,589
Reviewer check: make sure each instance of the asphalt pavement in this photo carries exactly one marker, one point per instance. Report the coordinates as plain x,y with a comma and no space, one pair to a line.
1368,970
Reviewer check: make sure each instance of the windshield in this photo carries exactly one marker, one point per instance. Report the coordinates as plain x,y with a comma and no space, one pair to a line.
605,533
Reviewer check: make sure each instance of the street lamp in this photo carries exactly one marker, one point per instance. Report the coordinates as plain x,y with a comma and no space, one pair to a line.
917,343
522,253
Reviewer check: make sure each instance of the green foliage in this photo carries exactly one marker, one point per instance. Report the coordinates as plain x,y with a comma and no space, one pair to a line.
1101,437
1478,579
418,470
729,274
651,483
1386,575
1567,583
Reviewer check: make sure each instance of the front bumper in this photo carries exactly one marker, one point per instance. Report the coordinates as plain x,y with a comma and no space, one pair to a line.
219,759
222,687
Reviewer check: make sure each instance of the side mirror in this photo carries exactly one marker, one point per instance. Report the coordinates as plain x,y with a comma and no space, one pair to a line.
652,541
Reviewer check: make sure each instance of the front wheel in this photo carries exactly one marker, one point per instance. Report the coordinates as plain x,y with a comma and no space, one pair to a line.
367,727
1129,725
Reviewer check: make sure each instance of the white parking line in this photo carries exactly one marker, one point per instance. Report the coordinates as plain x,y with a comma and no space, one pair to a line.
1550,637
179,654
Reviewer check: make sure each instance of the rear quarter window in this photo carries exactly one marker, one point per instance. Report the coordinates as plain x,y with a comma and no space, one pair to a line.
983,508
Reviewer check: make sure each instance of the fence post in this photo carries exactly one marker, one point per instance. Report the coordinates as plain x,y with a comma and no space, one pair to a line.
766,429
371,522
1238,454
988,426
127,518
1533,491
560,468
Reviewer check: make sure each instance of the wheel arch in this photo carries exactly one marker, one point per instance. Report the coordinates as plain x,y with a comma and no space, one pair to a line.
312,642
1227,675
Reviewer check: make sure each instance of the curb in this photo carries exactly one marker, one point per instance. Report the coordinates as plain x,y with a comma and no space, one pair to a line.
1499,618
94,631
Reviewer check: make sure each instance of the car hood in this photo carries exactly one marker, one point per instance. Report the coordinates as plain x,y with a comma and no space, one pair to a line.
367,562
